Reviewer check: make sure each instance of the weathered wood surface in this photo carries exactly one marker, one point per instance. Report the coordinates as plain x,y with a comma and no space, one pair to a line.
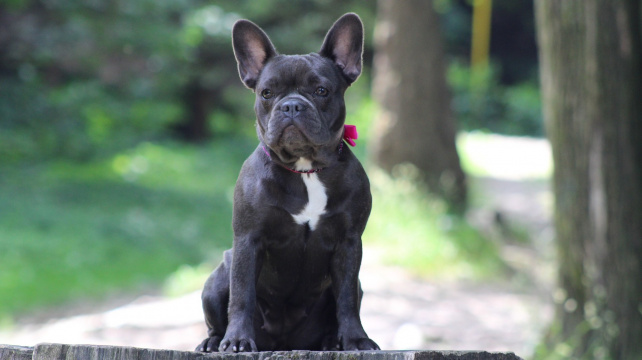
11,352
96,352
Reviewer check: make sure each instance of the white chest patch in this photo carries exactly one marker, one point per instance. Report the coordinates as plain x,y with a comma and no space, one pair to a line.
317,198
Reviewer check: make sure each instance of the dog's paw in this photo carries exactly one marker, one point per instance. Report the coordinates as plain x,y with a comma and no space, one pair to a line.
237,344
210,344
359,344
330,343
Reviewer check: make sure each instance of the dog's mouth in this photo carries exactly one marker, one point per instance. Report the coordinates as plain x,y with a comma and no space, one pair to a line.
294,142
292,136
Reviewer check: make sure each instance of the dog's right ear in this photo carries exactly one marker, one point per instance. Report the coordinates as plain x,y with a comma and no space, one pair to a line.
252,49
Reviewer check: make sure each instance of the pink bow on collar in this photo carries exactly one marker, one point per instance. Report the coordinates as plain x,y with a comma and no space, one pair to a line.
350,134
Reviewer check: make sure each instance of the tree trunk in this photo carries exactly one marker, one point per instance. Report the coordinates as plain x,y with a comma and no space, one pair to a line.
415,123
591,63
195,127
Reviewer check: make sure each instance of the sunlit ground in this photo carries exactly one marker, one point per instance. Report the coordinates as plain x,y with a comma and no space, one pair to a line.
505,157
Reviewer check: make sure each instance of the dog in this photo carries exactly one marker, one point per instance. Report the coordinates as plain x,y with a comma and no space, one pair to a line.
301,203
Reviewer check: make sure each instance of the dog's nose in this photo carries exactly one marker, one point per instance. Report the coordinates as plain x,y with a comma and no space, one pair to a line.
292,108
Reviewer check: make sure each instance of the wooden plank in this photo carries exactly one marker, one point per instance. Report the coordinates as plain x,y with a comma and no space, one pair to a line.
12,352
96,352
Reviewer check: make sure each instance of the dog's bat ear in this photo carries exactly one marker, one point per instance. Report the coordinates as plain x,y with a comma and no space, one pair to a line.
343,44
252,49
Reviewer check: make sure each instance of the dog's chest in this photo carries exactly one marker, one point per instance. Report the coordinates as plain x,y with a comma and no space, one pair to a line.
317,197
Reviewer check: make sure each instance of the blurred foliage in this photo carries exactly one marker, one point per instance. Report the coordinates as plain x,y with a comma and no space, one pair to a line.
82,79
512,45
480,102
504,98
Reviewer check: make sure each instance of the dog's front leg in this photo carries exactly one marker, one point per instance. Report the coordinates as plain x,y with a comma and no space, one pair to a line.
246,264
345,284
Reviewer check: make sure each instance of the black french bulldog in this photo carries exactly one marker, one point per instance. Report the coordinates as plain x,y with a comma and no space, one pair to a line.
301,203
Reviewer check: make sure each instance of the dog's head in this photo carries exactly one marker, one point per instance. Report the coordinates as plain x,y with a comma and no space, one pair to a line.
299,104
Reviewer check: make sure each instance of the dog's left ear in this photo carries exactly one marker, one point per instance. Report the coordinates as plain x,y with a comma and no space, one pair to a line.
343,44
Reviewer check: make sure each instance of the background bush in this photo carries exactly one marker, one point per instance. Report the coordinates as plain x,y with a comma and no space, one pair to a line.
82,79
481,102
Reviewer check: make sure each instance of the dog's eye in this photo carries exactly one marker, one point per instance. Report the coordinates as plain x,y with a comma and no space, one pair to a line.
321,91
267,94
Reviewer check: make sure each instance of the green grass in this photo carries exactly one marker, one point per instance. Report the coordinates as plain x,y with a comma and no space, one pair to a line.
71,230
414,230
